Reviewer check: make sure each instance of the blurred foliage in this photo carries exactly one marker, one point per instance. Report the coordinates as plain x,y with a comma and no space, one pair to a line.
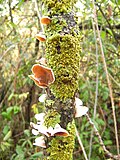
19,96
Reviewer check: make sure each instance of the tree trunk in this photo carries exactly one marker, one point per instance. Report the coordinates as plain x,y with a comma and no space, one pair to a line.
62,54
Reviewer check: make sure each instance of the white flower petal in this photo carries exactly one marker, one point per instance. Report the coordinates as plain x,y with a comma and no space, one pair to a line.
40,128
40,142
50,130
35,126
42,98
40,117
78,102
57,126
80,111
35,132
43,130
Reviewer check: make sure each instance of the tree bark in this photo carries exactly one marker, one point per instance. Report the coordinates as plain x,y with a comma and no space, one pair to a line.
62,54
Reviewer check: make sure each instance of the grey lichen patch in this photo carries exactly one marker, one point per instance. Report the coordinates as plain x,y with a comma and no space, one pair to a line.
64,23
51,119
62,53
62,147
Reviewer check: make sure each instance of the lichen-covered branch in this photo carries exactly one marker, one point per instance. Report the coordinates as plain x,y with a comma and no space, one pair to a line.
62,54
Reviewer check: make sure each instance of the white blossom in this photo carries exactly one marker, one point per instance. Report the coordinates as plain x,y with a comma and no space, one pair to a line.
40,142
42,98
79,108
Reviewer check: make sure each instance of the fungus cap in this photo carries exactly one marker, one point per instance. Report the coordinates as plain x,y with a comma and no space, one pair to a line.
40,142
40,128
45,20
80,110
40,116
41,37
35,132
59,131
42,76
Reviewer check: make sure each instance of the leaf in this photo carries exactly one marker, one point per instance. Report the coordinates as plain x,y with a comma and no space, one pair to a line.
108,142
13,24
19,150
5,115
7,136
11,96
20,3
16,109
27,132
9,110
103,34
30,143
6,129
109,31
23,95
36,155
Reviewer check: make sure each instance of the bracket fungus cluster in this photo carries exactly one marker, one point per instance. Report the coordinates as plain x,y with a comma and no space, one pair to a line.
42,76
62,51
45,20
40,128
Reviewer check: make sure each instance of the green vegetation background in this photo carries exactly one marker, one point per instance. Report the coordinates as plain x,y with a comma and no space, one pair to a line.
19,96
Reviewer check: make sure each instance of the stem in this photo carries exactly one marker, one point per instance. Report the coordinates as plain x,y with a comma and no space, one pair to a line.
117,157
38,13
96,92
11,16
107,77
80,142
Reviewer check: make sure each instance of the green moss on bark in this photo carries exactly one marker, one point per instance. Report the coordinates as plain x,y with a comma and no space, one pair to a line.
52,118
62,147
57,7
62,53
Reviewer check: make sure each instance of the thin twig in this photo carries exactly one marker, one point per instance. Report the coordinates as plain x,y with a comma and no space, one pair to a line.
11,16
38,13
80,142
96,91
108,23
12,46
118,84
107,77
117,157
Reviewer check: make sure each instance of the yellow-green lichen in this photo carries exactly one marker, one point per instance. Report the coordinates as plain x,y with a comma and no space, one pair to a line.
62,53
62,147
56,6
56,26
51,119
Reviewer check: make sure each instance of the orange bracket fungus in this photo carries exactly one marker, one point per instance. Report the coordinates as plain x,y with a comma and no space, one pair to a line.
41,37
42,76
45,20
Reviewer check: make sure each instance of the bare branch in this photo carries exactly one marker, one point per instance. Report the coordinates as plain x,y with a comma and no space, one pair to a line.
109,154
80,142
